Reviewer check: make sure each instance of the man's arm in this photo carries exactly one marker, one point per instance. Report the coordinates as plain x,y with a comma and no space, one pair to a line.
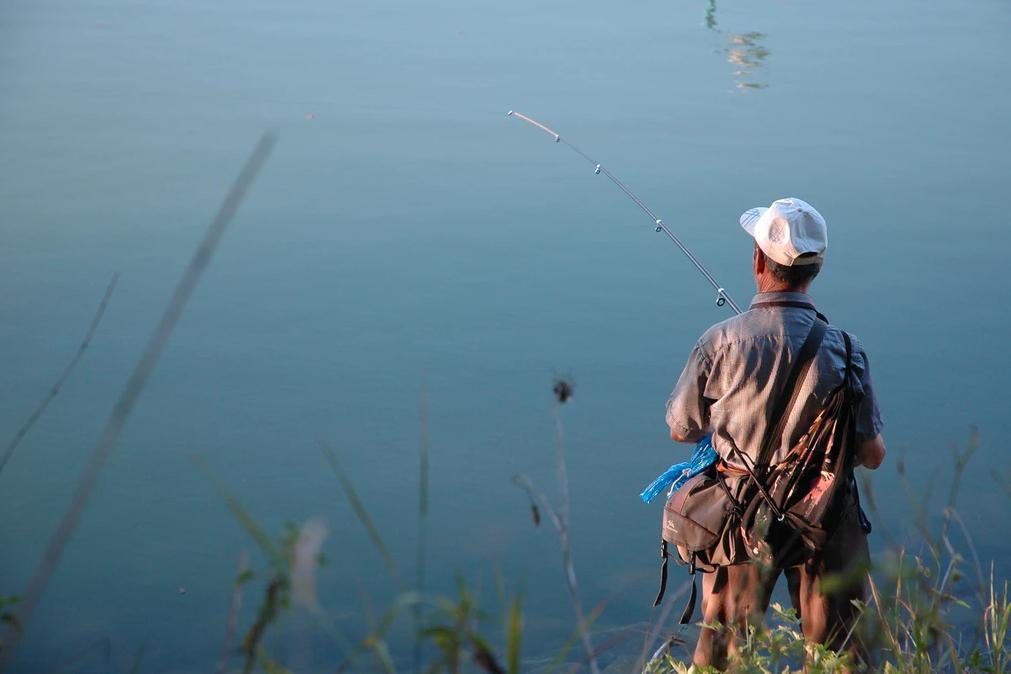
687,406
871,452
870,445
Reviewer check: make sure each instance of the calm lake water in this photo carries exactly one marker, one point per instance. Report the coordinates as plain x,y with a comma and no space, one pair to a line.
407,237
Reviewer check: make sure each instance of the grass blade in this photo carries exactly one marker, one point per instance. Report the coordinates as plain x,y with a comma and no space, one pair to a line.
421,550
406,600
423,460
514,635
382,652
242,515
359,508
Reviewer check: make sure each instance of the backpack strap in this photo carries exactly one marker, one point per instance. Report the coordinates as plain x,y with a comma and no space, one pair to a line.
664,557
686,615
689,609
791,391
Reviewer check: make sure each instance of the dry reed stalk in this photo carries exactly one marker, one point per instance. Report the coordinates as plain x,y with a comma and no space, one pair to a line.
560,520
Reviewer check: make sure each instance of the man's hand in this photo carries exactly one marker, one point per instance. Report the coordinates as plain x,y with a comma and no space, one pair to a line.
677,437
871,452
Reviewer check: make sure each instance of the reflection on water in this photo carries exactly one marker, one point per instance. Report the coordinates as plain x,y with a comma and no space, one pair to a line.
747,55
745,52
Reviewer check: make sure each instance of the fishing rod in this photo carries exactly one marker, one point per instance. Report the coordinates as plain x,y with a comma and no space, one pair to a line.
721,295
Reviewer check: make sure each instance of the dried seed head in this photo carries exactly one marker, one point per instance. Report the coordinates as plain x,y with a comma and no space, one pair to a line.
562,389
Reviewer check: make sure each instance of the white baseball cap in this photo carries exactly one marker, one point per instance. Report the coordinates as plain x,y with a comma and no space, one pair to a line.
790,231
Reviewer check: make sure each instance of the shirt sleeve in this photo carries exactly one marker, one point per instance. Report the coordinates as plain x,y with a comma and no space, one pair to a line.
868,417
687,408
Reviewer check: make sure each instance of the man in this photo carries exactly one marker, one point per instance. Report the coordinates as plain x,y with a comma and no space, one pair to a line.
732,380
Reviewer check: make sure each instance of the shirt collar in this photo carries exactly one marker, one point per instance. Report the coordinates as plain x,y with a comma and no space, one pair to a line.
782,296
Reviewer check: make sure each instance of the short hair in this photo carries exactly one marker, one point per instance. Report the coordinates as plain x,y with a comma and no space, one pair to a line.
795,276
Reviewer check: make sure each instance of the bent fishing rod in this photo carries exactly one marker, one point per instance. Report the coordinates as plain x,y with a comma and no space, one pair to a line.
721,295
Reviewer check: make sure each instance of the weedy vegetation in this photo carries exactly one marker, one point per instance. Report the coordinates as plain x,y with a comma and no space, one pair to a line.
933,611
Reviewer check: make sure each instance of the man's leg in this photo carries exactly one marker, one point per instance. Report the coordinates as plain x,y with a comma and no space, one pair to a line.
829,617
731,596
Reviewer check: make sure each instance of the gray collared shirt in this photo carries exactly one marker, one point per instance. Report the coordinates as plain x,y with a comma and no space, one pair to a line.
735,375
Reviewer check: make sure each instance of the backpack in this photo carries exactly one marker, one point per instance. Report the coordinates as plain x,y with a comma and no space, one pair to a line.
776,515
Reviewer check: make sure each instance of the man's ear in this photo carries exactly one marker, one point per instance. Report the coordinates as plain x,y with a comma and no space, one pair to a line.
758,261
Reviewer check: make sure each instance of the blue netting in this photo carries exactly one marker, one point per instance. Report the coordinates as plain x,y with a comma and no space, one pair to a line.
675,476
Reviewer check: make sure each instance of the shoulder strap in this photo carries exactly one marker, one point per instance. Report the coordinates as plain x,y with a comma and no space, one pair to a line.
790,389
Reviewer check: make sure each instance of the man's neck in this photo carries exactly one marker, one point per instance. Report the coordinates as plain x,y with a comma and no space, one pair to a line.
766,285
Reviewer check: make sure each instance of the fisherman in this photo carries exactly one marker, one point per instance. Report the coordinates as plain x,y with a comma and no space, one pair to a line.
731,381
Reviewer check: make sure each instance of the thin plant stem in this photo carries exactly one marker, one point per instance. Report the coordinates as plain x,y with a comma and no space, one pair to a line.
643,664
978,567
559,518
421,551
232,622
561,465
563,535
57,386
537,496
134,387
268,613
559,657
961,461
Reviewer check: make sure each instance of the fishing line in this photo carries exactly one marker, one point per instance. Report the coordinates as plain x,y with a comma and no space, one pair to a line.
721,295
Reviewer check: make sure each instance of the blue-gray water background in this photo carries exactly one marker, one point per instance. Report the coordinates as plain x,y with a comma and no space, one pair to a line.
406,237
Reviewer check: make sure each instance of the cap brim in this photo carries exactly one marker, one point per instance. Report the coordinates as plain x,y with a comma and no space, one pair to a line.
750,217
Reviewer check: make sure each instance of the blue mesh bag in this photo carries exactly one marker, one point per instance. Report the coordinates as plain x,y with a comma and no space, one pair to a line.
702,457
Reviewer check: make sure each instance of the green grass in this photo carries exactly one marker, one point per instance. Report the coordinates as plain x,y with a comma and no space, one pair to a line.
933,611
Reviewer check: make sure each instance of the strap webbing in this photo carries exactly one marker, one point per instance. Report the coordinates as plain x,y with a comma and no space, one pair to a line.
686,615
784,404
791,391
663,572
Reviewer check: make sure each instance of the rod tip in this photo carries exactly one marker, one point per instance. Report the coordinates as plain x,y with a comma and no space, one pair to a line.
509,114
